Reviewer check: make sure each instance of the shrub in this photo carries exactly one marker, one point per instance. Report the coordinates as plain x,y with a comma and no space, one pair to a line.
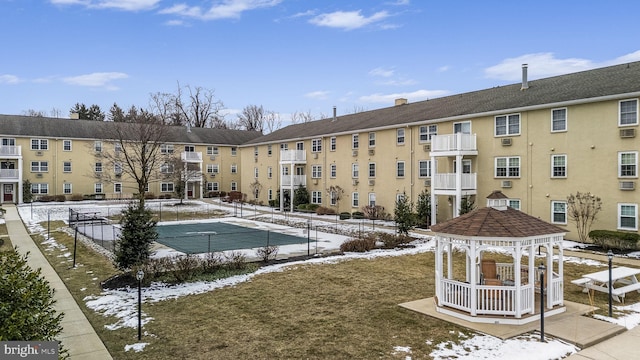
614,239
358,245
273,203
185,267
45,198
212,262
392,241
213,194
312,207
59,198
376,212
321,210
357,215
268,252
76,197
302,206
149,196
345,215
223,193
235,260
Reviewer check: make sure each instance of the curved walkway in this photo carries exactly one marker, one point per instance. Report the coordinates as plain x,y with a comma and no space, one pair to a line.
78,336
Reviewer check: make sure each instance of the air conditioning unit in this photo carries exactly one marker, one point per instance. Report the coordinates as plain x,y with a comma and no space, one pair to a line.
627,185
505,141
506,183
212,175
355,182
427,182
315,155
212,158
627,133
372,182
39,153
372,152
38,175
354,153
426,147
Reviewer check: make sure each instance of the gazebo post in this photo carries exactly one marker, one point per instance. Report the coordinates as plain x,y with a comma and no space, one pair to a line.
473,304
549,281
532,274
517,280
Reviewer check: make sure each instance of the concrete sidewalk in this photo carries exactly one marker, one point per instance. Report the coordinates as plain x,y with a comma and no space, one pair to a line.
78,336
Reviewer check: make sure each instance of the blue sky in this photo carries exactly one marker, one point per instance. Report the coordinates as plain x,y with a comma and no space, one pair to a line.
296,55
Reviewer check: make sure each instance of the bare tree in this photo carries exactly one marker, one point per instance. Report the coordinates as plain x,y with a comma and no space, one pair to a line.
252,118
180,172
272,121
301,117
335,195
582,209
136,152
34,113
56,113
256,188
198,108
165,106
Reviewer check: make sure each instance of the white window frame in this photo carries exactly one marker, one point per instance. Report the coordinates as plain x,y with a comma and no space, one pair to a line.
372,199
461,127
427,168
67,145
507,125
67,188
166,168
39,144
269,150
66,166
633,166
166,148
333,198
333,143
400,136
269,194
622,115
563,121
355,170
427,132
316,197
316,145
508,167
333,170
372,139
256,172
97,167
554,212
355,141
400,169
355,200
635,216
117,168
234,186
97,146
234,168
558,167
98,188
39,166
372,169
269,172
117,188
39,188
255,151
234,150
167,187
316,171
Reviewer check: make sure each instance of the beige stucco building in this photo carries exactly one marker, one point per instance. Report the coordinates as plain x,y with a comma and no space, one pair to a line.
537,141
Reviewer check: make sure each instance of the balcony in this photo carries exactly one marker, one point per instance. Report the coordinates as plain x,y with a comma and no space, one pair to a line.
190,156
298,180
296,156
454,143
6,151
448,182
9,174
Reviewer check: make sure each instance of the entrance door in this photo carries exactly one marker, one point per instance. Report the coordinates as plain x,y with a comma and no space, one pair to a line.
8,193
189,189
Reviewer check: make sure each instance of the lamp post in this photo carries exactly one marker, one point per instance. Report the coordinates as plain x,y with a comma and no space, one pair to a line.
140,276
610,256
541,268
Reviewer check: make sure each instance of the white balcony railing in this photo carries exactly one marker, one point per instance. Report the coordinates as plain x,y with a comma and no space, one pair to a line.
298,180
191,156
10,150
293,155
9,174
454,142
448,182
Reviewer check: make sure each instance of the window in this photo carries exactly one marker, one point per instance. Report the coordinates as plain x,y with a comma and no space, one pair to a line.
333,169
98,167
117,169
466,166
285,170
372,199
514,203
234,168
508,167
427,132
400,197
167,168
462,127
424,168
507,125
628,217
355,200
316,171
333,198
372,170
269,150
166,149
316,145
558,120
558,166
66,145
189,148
284,146
66,188
39,166
212,186
400,136
333,142
355,171
39,188
234,186
166,187
400,169
372,139
97,146
212,150
39,144
66,166
316,197
256,193
234,151
270,194
255,172
12,142
117,148
300,145
255,151
355,142
628,112
269,172
628,164
97,188
559,212
213,168
117,187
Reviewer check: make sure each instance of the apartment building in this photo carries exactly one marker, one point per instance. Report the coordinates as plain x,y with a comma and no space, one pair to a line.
80,157
537,141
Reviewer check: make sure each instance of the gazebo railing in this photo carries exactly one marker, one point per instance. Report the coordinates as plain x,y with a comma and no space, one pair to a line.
456,295
490,300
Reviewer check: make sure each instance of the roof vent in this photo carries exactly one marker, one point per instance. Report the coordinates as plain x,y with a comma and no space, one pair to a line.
335,116
401,101
525,82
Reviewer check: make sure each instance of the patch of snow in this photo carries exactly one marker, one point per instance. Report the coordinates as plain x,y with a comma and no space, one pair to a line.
137,347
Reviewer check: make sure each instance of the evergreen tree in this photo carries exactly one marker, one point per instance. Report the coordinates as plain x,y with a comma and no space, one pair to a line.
133,246
301,196
423,208
467,204
403,215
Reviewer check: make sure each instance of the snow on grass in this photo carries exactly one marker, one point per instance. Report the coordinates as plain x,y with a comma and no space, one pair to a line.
137,347
628,316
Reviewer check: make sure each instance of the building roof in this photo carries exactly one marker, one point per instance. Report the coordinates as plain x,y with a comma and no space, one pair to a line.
585,85
31,126
490,222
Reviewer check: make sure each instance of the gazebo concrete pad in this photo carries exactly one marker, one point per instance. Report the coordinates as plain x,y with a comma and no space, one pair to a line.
570,326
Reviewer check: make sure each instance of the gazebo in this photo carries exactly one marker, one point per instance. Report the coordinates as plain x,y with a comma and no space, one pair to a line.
492,292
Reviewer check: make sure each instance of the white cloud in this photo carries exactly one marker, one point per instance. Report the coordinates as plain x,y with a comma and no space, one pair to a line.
9,79
444,68
411,96
546,64
318,95
174,23
99,79
382,72
225,9
128,5
348,20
